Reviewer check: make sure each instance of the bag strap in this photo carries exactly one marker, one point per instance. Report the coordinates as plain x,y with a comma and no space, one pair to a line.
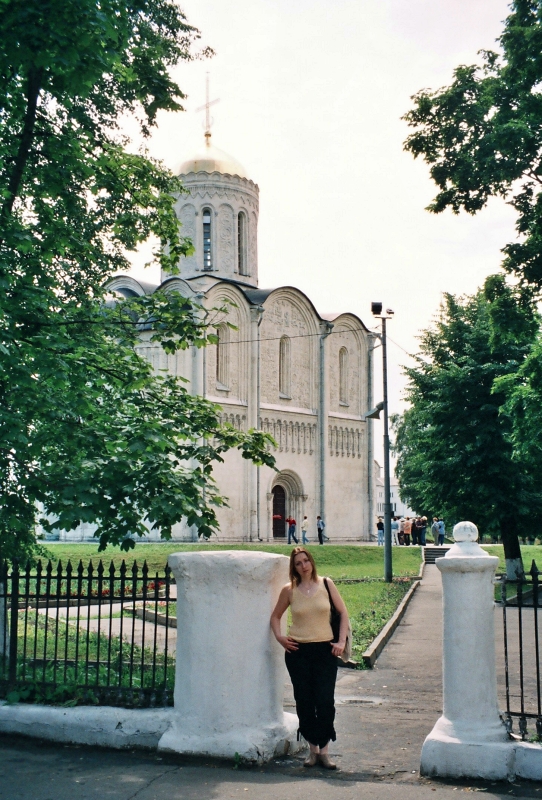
331,603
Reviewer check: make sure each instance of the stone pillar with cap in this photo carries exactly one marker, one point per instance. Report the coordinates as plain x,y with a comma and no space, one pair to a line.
229,677
469,739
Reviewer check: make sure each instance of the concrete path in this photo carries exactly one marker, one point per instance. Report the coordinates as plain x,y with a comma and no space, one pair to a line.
383,716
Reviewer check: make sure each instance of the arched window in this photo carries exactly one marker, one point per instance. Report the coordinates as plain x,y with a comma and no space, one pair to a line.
207,246
242,243
343,376
223,357
284,368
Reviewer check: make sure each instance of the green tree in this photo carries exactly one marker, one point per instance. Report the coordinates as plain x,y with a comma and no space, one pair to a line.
87,431
482,136
455,448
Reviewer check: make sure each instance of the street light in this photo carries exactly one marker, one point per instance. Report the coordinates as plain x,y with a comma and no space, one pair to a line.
376,309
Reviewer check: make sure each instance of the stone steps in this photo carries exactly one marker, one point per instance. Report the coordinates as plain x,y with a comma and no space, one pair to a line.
430,554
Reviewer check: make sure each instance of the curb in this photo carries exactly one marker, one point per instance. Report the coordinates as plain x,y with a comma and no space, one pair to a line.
377,645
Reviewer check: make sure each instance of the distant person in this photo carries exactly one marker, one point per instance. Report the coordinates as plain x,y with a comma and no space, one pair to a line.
304,528
441,531
402,530
407,531
291,530
435,530
423,531
395,530
320,525
380,532
414,531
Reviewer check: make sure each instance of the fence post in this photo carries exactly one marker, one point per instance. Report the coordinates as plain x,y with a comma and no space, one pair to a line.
229,679
469,739
14,626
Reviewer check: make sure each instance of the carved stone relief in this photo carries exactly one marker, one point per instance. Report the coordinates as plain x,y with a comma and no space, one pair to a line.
225,238
345,442
187,217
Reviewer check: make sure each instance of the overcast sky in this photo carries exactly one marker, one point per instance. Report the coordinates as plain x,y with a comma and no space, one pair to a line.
311,98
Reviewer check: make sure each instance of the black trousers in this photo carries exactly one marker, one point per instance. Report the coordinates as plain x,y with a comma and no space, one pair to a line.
313,671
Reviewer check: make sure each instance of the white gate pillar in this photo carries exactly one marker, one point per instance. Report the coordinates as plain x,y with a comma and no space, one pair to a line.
229,679
469,739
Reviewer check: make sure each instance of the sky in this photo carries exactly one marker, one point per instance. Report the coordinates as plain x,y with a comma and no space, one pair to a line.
311,95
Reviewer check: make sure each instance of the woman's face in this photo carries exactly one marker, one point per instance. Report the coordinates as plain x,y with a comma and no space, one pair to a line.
303,566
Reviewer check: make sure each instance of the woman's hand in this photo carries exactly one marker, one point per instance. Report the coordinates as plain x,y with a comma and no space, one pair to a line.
337,648
289,644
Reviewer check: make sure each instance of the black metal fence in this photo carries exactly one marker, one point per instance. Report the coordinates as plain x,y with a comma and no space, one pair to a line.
520,600
91,634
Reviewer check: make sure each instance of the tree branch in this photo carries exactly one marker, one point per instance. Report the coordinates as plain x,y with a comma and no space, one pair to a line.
14,183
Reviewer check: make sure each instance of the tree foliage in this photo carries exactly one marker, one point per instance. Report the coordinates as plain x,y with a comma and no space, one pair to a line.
88,432
482,136
455,443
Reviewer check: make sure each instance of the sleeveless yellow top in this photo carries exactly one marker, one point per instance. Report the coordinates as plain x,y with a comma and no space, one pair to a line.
310,616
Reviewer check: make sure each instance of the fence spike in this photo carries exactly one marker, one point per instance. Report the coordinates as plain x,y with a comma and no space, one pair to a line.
535,572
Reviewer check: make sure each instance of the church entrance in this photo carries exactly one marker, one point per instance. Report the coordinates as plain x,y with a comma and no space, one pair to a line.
279,512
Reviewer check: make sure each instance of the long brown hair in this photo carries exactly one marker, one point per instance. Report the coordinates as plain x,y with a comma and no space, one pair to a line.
295,578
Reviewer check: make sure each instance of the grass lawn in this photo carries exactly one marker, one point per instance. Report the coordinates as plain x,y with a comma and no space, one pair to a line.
336,561
528,553
370,604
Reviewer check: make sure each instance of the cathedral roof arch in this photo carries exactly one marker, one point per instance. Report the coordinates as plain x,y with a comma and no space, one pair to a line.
130,287
301,301
352,323
176,284
233,294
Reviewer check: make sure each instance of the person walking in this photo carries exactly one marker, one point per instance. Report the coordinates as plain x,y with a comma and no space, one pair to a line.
320,525
291,530
395,530
441,531
435,530
311,654
304,529
380,532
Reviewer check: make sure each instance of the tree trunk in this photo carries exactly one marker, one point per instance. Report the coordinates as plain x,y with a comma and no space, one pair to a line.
512,551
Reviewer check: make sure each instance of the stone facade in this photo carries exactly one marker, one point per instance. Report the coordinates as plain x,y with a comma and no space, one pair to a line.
296,374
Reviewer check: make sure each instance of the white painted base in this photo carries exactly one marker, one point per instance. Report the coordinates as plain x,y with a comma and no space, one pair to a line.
455,759
528,761
250,744
445,756
104,726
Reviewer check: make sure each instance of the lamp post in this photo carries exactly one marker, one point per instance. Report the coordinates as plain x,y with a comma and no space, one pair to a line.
376,309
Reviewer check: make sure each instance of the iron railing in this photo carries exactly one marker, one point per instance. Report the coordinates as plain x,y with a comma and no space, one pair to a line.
91,634
520,600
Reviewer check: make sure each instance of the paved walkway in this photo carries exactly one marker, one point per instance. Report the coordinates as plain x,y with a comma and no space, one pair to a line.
383,716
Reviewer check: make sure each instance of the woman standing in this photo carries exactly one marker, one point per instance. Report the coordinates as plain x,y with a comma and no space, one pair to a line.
311,653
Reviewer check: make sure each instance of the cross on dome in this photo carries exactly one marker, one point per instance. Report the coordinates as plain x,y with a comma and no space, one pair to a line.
208,103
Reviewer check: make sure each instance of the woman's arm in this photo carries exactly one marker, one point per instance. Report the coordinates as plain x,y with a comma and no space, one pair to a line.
283,602
338,602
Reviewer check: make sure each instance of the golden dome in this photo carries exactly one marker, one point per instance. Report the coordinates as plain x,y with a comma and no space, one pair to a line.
211,159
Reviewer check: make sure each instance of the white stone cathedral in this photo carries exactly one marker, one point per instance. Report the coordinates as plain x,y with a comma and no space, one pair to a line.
302,376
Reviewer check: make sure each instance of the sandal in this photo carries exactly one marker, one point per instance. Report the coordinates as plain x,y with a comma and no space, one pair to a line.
326,763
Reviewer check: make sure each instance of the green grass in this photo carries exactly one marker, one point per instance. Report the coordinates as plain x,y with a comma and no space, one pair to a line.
59,663
528,553
370,606
337,561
